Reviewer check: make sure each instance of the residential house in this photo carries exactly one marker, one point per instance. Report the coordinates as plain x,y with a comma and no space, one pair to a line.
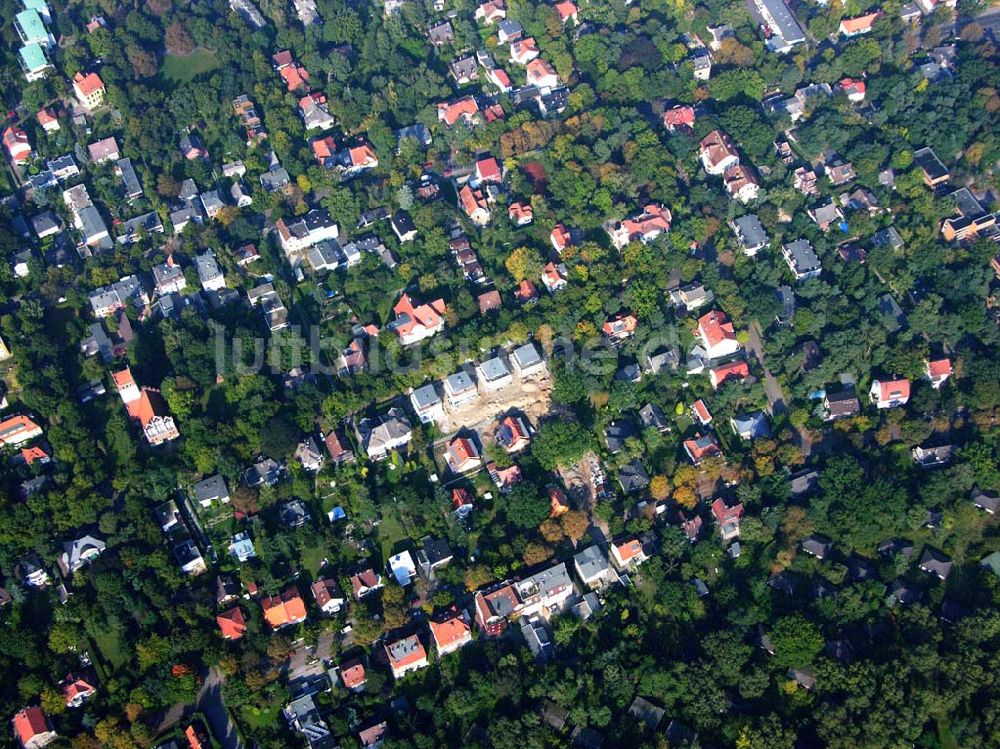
937,371
842,405
373,736
352,674
168,278
932,457
750,234
804,180
231,623
567,11
592,567
528,361
801,259
513,434
621,327
860,25
701,413
475,205
632,477
17,145
538,638
294,513
740,182
541,74
702,447
89,90
464,70
403,226
241,547
617,434
381,435
508,31
30,572
521,214
718,153
337,448
488,13
79,553
211,278
560,238
489,301
15,430
364,582
304,719
826,214
465,109
285,609
681,117
545,593
493,374
839,172
889,393
736,370
495,606
460,388
523,51
750,426
309,454
717,335
450,631
104,150
406,654
188,557
627,555
76,690
313,227
126,173
854,89
427,404
644,227
728,518
934,562
972,219
32,728
192,147
462,455
416,322
327,596
554,277
439,34
934,171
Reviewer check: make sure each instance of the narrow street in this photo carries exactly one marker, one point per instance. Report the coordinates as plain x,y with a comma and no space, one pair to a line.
209,703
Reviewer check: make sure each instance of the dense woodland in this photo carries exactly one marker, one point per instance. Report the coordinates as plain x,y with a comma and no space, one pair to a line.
910,678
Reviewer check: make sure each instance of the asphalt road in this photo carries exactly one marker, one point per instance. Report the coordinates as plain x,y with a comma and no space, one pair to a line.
211,705
775,396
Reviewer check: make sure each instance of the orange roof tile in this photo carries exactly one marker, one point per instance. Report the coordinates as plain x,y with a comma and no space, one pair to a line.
29,723
450,631
286,608
88,84
231,623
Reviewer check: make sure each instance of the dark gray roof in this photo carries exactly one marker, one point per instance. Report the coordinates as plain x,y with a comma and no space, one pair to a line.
935,562
750,232
633,477
211,488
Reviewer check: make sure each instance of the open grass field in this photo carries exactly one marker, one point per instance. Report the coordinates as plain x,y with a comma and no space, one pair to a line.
178,69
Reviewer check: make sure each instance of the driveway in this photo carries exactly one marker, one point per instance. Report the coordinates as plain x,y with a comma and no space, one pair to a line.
775,396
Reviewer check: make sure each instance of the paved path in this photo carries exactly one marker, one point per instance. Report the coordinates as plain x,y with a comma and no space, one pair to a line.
209,702
212,707
775,397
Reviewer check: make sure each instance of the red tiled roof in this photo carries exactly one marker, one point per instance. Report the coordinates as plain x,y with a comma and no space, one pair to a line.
460,498
892,389
30,454
324,590
462,451
73,687
629,550
715,328
88,84
702,412
560,236
352,673
939,368
450,631
450,112
324,148
296,77
363,155
558,504
737,370
526,291
518,211
472,200
231,623
717,147
565,9
488,170
859,25
30,722
724,513
428,315
285,608
679,116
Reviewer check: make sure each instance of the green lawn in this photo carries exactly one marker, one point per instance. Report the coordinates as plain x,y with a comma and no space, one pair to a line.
945,736
179,69
312,558
110,644
257,719
390,530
